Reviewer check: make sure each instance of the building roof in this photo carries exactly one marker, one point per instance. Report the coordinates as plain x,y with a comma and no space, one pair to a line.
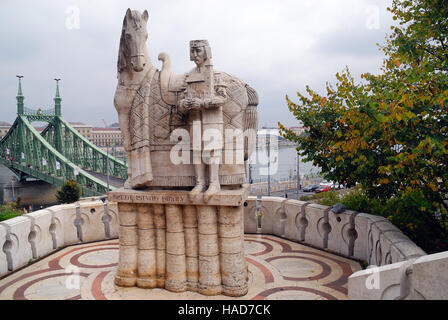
79,124
4,124
106,129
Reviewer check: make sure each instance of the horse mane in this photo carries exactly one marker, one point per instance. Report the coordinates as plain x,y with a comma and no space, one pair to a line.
122,63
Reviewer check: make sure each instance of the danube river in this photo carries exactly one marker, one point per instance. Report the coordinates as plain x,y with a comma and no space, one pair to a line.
283,166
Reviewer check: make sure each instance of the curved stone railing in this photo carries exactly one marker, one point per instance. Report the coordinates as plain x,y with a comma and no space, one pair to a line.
400,269
351,234
31,236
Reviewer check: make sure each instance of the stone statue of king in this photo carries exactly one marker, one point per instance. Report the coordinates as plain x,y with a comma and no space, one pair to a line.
181,212
203,100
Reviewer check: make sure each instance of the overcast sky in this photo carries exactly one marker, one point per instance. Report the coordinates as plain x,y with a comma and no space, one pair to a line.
276,46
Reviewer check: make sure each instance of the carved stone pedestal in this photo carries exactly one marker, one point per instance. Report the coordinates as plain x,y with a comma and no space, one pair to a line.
169,241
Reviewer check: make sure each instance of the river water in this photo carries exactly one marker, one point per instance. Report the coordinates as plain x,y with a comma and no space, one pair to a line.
283,166
6,176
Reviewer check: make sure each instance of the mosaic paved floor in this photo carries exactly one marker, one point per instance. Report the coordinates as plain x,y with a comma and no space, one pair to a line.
279,269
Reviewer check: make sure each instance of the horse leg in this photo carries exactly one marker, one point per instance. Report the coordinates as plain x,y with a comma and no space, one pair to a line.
122,102
123,119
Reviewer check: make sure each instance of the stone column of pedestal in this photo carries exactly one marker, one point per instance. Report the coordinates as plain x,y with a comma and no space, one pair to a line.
146,247
176,272
191,247
209,270
231,248
159,222
127,261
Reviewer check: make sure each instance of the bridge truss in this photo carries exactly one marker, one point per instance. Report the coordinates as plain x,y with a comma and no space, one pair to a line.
58,153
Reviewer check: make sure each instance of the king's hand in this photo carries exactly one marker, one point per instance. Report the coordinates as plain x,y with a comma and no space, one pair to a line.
195,103
216,102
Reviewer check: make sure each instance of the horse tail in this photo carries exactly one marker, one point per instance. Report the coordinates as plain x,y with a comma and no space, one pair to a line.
166,61
250,123
252,96
165,78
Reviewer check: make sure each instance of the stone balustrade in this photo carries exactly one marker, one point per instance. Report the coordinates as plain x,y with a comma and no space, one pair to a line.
32,236
398,268
414,279
355,235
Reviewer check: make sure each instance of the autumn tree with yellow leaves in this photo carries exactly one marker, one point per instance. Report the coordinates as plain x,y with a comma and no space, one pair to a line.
389,133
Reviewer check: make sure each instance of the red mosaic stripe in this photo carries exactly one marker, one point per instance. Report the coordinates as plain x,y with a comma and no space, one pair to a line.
268,276
53,265
55,262
75,259
326,270
19,294
346,268
96,286
268,249
263,295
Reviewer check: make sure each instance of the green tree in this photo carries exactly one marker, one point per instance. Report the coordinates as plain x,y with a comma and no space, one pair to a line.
69,192
9,211
389,133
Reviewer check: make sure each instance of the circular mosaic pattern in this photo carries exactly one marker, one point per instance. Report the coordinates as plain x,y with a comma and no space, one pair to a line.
256,247
96,258
278,269
308,268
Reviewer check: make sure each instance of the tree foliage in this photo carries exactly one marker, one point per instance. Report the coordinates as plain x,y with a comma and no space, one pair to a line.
69,192
389,133
9,211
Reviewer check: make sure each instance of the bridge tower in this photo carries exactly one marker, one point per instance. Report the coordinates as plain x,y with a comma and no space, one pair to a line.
20,142
57,153
20,97
57,124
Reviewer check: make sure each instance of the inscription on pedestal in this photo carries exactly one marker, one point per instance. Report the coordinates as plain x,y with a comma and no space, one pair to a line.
231,198
146,198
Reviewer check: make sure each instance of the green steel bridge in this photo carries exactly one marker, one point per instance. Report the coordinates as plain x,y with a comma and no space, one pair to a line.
58,153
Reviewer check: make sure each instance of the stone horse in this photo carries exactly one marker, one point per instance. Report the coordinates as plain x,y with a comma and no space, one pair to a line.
146,100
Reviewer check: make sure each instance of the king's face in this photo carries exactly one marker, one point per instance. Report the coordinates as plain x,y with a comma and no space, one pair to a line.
198,55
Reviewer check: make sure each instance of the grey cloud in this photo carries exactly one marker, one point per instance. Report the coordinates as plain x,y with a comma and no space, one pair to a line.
265,45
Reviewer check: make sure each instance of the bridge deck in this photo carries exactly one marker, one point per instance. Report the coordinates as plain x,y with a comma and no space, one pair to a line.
114,181
279,269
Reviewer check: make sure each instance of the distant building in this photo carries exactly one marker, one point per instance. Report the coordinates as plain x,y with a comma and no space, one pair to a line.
4,128
101,137
269,133
85,129
299,130
111,135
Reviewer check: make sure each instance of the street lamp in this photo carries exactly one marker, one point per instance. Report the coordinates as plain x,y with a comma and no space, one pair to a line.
250,174
298,175
269,164
12,184
107,166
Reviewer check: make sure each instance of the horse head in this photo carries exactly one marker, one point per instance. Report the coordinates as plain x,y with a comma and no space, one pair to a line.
133,53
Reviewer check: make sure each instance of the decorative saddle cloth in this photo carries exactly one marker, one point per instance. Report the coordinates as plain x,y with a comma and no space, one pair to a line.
152,122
